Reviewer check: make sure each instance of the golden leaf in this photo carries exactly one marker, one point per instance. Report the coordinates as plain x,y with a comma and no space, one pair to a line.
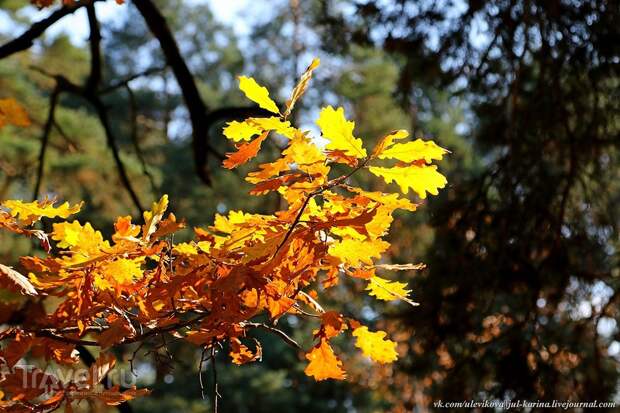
388,140
301,87
78,237
324,364
387,290
375,345
257,93
29,212
339,131
153,217
118,273
274,123
241,131
413,151
185,248
353,252
420,178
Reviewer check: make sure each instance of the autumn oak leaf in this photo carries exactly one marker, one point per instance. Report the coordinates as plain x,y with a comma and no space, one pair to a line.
339,131
324,364
354,252
420,178
375,345
257,93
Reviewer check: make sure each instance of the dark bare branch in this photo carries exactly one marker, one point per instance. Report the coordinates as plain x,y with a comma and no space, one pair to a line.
124,82
47,129
26,39
113,145
195,105
94,77
133,115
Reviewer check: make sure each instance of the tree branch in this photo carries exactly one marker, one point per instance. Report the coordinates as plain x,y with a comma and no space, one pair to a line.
26,39
45,140
111,140
65,85
195,105
127,80
94,78
133,114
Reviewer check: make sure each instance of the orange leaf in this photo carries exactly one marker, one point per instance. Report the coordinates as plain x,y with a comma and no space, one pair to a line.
241,354
324,364
13,113
332,324
116,333
244,153
100,368
17,348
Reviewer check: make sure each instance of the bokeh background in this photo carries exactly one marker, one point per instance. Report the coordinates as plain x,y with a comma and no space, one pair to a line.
520,296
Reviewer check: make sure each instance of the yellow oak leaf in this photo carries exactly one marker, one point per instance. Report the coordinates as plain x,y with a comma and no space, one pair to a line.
257,93
154,216
324,364
29,212
204,246
185,248
274,123
387,290
413,151
388,140
339,131
420,178
120,272
375,345
380,223
268,170
79,238
392,201
228,224
241,131
301,151
354,251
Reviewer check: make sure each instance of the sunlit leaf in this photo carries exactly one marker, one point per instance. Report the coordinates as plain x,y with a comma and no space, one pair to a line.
301,87
413,151
257,93
339,131
324,364
375,345
354,252
420,178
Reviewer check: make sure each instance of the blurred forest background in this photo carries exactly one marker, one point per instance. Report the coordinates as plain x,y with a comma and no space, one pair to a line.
521,291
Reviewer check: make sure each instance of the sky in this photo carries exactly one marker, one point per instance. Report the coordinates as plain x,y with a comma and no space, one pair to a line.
76,26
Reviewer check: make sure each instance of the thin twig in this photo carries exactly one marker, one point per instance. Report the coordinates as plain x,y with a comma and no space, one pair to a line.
287,339
45,140
133,114
124,82
26,39
216,393
202,360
